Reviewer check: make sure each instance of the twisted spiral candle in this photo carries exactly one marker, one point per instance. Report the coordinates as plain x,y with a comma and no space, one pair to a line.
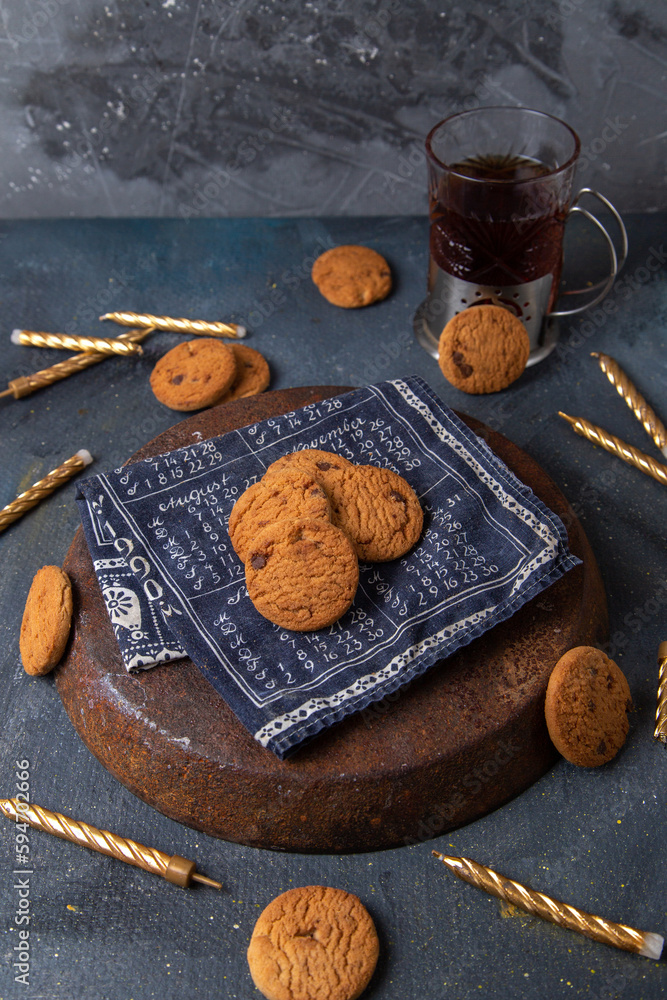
27,384
75,342
617,447
661,711
642,942
198,327
24,501
647,417
175,869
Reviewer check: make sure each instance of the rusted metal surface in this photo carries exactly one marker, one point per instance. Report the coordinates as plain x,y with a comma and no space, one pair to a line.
456,744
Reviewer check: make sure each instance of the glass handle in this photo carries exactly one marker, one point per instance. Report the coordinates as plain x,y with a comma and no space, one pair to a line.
619,221
603,287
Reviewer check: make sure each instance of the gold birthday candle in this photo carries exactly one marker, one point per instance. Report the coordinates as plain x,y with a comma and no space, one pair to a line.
17,508
661,711
198,327
24,385
646,416
615,446
175,869
75,342
642,942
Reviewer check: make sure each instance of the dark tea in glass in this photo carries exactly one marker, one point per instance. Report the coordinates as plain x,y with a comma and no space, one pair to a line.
500,181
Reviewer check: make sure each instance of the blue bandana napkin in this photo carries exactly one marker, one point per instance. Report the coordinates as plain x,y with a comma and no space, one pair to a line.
173,586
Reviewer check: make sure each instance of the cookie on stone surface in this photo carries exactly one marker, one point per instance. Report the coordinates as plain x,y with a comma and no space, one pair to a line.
194,374
378,509
46,620
288,494
352,276
483,349
586,707
323,465
313,943
302,574
252,374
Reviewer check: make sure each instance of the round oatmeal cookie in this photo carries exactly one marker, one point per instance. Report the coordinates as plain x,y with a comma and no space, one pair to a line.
352,276
302,574
252,374
46,620
194,374
586,707
378,509
286,494
323,465
313,943
483,349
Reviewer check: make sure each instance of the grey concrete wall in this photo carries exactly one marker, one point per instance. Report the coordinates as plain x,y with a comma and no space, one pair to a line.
286,107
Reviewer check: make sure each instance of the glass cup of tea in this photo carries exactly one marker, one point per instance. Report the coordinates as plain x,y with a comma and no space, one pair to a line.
500,192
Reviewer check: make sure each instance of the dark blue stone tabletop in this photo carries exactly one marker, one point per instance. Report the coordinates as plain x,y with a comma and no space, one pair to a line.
594,838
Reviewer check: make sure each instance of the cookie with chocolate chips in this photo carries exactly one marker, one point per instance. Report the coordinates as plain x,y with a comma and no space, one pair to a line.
378,509
302,574
483,349
194,374
252,374
323,465
284,495
587,705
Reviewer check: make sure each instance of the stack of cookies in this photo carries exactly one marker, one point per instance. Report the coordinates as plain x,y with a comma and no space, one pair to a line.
205,372
302,529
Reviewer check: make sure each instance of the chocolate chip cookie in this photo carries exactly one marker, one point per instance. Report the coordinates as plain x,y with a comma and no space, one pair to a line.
252,374
378,509
483,349
194,374
586,707
287,494
302,574
323,465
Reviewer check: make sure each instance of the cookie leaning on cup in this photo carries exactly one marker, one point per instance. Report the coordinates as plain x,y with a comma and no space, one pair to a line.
483,349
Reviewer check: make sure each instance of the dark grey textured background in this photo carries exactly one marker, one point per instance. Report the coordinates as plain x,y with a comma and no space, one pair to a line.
286,107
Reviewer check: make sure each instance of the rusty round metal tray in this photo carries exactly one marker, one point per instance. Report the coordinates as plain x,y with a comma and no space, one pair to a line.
457,743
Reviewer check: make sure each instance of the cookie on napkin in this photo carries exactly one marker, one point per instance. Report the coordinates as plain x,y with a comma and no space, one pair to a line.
378,509
285,495
302,573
